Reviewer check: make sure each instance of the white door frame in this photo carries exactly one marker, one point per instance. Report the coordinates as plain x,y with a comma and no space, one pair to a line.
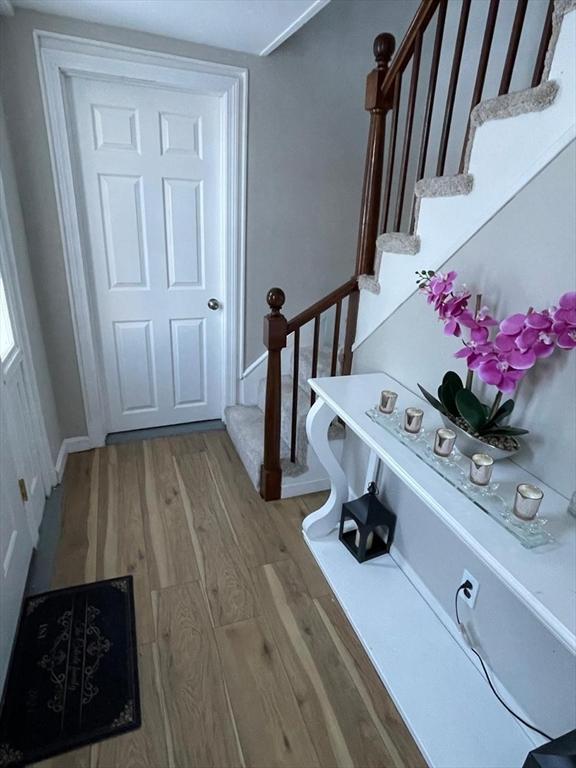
61,56
16,307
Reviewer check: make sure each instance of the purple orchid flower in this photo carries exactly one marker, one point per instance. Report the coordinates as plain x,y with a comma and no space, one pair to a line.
451,309
564,321
499,373
513,325
442,284
521,340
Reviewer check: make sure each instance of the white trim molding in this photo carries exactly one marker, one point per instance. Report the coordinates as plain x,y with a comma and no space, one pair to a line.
60,57
311,11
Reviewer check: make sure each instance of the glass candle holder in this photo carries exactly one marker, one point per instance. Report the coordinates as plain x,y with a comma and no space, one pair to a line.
527,501
444,442
481,466
413,420
387,401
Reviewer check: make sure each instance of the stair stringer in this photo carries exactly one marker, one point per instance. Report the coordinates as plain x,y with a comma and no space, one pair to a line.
504,154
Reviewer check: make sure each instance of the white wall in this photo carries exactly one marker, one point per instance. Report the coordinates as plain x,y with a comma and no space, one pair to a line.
26,287
307,139
526,255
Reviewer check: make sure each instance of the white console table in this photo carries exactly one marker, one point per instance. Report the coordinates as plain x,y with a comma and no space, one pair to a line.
393,638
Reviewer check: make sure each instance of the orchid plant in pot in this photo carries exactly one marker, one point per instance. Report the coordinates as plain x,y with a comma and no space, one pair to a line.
499,353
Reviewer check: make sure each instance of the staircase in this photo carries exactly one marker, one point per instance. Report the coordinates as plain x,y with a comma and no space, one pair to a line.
245,426
270,436
510,138
423,196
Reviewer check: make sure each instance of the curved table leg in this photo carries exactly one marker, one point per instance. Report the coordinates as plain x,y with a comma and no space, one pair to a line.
325,519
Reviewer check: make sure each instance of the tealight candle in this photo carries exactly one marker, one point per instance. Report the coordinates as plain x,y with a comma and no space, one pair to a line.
388,401
527,501
369,540
481,466
413,420
444,442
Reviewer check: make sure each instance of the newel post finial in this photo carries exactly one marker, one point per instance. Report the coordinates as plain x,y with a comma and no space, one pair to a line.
384,47
275,299
376,100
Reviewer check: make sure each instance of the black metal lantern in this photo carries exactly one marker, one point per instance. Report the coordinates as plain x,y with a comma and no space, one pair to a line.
558,753
374,529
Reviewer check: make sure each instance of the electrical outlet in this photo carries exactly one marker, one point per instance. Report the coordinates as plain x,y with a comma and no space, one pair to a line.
466,576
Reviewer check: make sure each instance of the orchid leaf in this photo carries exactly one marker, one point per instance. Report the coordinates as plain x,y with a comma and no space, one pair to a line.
507,431
451,385
432,400
470,408
503,412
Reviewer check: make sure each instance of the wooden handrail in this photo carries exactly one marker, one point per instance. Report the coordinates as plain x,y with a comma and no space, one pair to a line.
322,305
404,53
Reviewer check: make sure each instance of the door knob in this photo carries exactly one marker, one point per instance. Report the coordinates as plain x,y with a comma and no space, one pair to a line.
213,304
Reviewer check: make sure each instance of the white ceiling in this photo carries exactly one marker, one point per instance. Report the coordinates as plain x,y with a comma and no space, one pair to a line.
251,26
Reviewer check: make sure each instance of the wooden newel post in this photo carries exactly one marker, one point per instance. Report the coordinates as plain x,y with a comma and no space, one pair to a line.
275,333
377,103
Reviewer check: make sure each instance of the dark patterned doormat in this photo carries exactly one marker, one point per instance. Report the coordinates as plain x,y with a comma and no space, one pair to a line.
73,678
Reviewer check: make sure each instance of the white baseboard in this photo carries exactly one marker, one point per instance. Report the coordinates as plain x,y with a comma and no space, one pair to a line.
71,445
296,487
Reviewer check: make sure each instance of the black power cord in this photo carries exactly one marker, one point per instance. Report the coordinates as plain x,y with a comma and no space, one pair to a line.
466,587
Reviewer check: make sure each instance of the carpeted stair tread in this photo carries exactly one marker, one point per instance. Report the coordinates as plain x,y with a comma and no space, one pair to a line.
444,186
389,242
323,368
245,425
336,430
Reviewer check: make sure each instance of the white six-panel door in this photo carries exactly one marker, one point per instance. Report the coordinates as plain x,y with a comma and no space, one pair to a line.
19,464
149,175
15,543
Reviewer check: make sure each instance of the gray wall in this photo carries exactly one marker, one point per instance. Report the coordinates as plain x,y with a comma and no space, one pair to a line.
307,137
27,290
525,256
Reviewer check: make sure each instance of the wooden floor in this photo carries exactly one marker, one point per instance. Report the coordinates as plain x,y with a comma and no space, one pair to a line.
245,656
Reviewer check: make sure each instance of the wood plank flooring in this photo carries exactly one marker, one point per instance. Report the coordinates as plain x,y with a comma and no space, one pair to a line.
246,659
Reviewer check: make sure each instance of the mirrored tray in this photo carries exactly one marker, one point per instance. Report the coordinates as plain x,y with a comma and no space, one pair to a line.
455,470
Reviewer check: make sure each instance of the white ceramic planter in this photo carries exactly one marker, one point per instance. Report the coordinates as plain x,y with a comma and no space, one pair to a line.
469,445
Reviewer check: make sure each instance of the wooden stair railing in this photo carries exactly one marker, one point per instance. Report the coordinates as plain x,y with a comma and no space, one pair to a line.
403,168
387,174
277,328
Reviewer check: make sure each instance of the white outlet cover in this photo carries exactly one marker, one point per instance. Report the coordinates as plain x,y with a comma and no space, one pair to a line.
467,576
